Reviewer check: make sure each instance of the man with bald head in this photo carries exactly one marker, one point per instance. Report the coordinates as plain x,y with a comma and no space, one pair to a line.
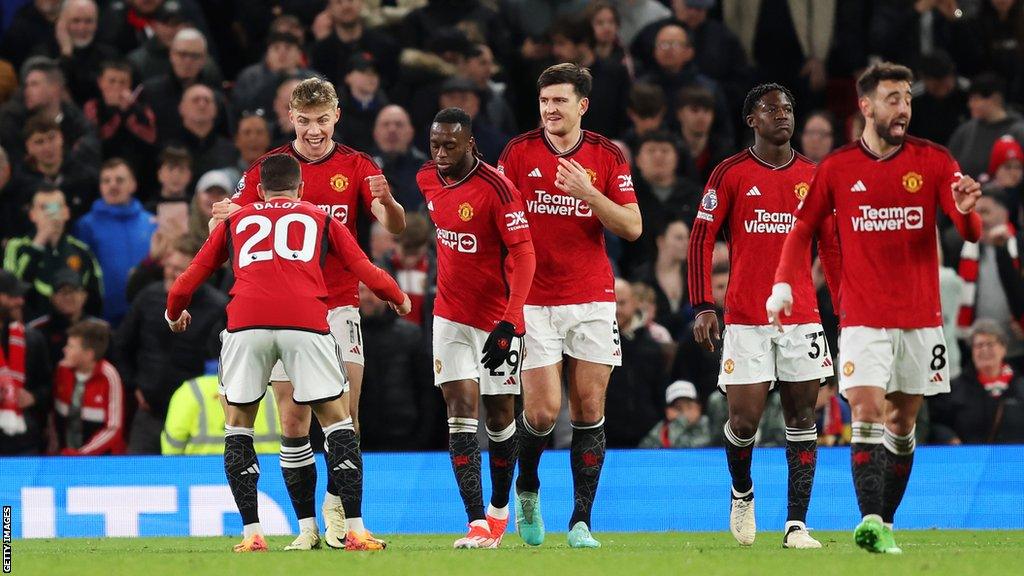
398,158
188,60
79,52
197,115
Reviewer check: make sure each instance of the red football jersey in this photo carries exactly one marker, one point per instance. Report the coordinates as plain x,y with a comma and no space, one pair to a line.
337,185
755,202
476,219
278,250
572,266
885,211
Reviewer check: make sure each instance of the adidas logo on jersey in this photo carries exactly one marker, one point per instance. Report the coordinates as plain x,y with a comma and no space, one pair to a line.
753,191
355,350
858,187
937,377
827,363
346,465
254,469
511,381
535,173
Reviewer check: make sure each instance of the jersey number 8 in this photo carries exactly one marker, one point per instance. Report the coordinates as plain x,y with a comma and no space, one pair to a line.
264,226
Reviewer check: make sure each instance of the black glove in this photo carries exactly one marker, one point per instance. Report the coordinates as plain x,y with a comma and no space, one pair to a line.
498,345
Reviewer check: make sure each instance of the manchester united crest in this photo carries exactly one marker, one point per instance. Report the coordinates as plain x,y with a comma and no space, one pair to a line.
74,262
339,182
437,365
593,176
465,212
728,366
912,181
801,190
848,369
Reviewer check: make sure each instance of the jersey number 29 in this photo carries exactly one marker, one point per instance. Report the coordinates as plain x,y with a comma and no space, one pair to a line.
264,227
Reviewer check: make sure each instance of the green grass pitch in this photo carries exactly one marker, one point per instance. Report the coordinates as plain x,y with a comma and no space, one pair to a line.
932,553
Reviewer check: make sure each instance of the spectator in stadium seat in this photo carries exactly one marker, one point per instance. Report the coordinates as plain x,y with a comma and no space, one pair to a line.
684,426
414,267
126,25
67,309
604,19
209,148
397,157
152,59
719,52
676,69
153,362
42,95
986,404
695,113
634,15
332,55
424,70
972,141
10,208
77,49
252,139
26,394
902,31
401,408
940,102
40,258
173,175
32,23
693,362
164,93
476,18
661,193
636,390
256,85
479,66
118,230
463,93
88,397
572,40
646,112
990,271
48,162
818,135
126,125
1006,173
361,99
282,131
666,273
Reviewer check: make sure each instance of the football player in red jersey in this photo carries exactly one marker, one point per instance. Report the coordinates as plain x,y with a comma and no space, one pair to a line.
342,182
575,184
485,265
754,194
885,192
278,312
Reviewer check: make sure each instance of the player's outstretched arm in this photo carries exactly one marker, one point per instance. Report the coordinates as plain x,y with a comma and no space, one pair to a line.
384,207
210,257
622,220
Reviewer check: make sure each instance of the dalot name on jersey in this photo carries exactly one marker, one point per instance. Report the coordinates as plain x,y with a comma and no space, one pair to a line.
888,219
766,222
458,241
558,205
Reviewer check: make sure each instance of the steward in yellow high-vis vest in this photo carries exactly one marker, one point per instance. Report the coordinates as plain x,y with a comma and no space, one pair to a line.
195,421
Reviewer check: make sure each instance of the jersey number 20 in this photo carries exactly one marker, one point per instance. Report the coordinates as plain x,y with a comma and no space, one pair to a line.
264,227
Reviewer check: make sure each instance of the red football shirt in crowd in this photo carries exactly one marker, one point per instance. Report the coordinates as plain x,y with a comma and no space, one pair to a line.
572,266
336,184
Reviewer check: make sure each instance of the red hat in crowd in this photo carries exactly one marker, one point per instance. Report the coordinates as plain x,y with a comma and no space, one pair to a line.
1004,150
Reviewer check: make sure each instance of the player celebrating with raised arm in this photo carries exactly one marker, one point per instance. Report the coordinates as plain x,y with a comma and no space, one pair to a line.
278,312
479,218
884,191
754,194
342,182
576,184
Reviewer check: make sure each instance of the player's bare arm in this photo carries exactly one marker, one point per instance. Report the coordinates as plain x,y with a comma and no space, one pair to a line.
385,208
623,221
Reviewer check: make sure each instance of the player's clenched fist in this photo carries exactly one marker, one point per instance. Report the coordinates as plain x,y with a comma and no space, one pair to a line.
966,192
224,208
181,324
379,187
498,345
404,308
706,330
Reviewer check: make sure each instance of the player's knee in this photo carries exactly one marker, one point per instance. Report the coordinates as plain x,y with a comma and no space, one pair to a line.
295,422
743,425
802,419
461,407
543,419
867,412
900,424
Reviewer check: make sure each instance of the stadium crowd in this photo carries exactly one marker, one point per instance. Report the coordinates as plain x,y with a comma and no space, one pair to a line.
123,122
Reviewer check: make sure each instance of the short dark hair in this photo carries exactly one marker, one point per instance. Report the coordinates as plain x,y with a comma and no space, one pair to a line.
187,245
591,11
659,137
454,116
175,156
759,91
48,66
646,100
877,73
696,97
39,124
574,29
94,334
567,73
986,85
114,163
280,173
46,187
116,64
416,233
